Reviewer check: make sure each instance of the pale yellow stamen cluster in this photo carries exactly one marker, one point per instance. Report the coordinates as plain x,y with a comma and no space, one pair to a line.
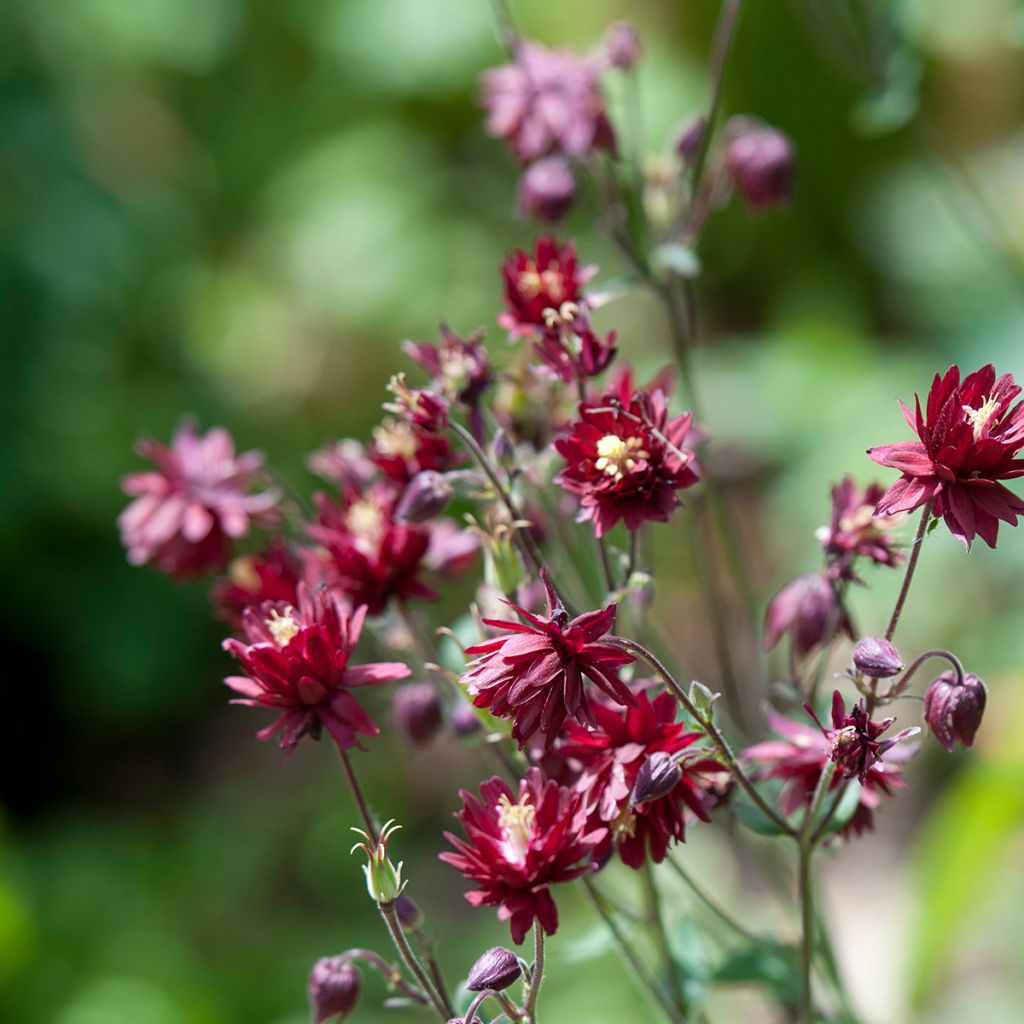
624,826
365,519
532,280
243,574
979,418
617,457
516,822
563,316
393,437
282,627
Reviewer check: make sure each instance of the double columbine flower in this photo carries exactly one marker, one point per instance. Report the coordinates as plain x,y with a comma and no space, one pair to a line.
970,437
518,845
535,671
296,660
854,531
197,499
626,461
612,756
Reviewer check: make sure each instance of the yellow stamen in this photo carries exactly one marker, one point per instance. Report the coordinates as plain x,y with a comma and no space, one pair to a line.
979,418
393,437
624,826
243,574
616,457
516,822
365,519
282,627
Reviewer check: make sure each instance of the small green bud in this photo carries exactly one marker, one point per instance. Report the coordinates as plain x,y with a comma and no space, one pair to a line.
383,879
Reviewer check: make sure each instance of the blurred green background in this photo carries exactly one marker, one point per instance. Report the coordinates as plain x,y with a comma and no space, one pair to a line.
237,208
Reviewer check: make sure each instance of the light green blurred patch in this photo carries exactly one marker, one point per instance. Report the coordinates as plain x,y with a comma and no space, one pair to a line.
18,939
125,1000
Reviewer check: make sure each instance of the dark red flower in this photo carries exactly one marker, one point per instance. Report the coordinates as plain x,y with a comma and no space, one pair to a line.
547,190
627,461
612,755
799,758
969,439
535,673
518,845
548,280
854,531
197,499
547,101
252,579
296,660
572,351
401,449
810,610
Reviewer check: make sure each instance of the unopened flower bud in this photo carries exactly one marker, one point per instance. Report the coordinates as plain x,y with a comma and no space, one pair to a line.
762,166
547,189
465,721
496,969
425,496
809,610
409,915
690,139
334,986
657,777
503,451
953,712
417,712
876,658
622,45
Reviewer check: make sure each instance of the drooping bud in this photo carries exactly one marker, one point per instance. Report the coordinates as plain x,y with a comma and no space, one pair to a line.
690,139
334,987
547,189
409,915
762,165
496,969
657,777
809,610
876,658
417,712
953,712
622,45
383,879
465,721
425,496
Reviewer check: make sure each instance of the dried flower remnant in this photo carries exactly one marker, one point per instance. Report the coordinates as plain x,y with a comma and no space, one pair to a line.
518,844
970,435
186,511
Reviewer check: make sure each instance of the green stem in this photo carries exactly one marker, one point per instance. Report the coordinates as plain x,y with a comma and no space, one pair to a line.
806,932
908,576
717,909
394,926
357,793
656,922
536,974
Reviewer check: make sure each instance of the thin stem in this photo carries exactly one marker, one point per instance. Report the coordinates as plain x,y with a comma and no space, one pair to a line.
357,792
915,552
511,1011
806,931
645,981
434,969
656,922
717,909
709,728
536,974
507,34
394,926
390,972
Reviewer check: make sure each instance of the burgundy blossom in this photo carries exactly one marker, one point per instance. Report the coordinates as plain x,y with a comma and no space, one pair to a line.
953,712
252,579
854,531
574,352
809,609
547,101
194,503
518,845
296,660
627,461
799,758
547,190
535,672
970,437
762,165
613,755
536,285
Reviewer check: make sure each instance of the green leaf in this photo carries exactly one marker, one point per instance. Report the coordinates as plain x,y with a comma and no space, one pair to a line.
775,966
846,809
755,819
679,259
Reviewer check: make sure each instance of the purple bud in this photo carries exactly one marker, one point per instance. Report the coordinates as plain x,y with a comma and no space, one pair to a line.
465,721
425,496
690,139
657,777
503,451
953,712
876,658
762,165
496,969
417,712
622,45
807,608
409,915
334,986
547,189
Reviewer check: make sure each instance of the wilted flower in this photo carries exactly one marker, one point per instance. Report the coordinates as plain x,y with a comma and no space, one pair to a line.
761,164
548,280
296,660
953,712
253,579
876,657
969,440
334,987
417,712
854,530
518,845
547,101
197,499
613,755
535,673
627,461
495,970
547,189
809,610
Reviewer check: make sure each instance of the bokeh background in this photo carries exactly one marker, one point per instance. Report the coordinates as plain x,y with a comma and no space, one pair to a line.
237,208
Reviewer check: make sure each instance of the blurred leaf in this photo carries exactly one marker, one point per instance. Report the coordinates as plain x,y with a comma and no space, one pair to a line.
755,819
775,967
677,258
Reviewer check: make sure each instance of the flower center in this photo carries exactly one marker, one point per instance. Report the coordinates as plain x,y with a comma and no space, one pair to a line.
365,519
624,826
979,418
516,822
617,457
243,574
282,627
393,437
532,280
456,368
